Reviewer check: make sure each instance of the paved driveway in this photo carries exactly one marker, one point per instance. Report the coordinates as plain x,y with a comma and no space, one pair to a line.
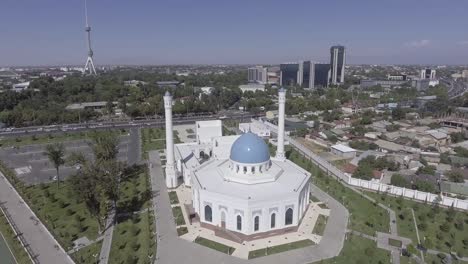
172,249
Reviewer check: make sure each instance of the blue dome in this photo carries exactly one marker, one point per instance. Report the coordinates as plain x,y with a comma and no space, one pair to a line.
250,148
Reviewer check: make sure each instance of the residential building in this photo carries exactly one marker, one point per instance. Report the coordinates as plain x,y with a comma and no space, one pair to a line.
337,64
257,74
343,151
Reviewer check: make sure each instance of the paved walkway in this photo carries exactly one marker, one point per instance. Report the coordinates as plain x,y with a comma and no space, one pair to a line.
107,240
40,240
172,249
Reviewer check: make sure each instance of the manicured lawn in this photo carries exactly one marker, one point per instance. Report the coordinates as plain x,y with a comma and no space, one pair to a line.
214,245
89,254
365,216
65,216
173,197
133,240
178,216
154,139
45,139
443,229
358,250
182,231
320,225
280,248
394,242
435,259
14,245
135,194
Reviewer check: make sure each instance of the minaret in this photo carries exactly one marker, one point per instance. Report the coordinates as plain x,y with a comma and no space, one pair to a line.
171,175
281,104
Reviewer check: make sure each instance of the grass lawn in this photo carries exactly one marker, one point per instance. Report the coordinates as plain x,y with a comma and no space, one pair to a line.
365,216
394,242
434,259
66,217
320,225
280,248
173,197
214,245
189,131
182,231
89,254
45,139
178,216
15,246
135,194
358,250
154,139
133,240
443,229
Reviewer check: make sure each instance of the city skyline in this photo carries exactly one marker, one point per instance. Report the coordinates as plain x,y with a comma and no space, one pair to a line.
208,32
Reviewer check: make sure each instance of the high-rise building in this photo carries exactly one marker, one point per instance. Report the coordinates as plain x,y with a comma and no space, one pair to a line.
297,73
428,74
257,74
337,64
321,75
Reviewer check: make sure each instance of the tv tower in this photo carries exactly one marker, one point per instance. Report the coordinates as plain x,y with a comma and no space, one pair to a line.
89,66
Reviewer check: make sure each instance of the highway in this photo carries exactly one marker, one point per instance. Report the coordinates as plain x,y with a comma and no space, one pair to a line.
116,124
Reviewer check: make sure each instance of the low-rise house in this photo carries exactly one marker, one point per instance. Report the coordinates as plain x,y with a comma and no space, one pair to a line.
343,151
380,126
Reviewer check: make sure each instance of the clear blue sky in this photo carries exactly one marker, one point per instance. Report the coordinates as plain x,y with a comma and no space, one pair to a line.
51,32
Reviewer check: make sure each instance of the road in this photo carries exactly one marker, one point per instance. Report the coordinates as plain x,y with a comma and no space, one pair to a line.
116,124
172,249
40,240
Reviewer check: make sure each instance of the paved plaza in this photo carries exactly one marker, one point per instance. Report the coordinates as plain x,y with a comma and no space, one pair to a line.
173,249
32,166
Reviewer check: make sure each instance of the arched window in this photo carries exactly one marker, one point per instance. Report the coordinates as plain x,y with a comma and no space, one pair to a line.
239,222
288,219
256,223
245,169
273,220
208,213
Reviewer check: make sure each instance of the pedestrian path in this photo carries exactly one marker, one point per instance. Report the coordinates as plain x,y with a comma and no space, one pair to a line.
40,240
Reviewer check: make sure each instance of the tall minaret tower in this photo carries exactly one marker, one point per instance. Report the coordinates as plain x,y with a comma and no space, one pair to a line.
281,104
171,175
89,66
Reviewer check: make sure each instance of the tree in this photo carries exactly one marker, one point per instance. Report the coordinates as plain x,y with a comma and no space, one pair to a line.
455,176
398,113
105,146
55,153
399,180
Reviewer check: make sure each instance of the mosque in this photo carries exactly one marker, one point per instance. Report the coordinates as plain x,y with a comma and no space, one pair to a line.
237,188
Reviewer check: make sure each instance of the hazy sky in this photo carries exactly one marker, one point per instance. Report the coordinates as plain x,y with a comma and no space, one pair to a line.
51,32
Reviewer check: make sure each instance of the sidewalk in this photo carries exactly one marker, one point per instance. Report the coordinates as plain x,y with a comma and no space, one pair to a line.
41,241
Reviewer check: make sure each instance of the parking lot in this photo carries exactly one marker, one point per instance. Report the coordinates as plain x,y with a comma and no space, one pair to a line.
32,165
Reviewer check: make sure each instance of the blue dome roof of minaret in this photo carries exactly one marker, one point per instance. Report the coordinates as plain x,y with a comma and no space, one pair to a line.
250,148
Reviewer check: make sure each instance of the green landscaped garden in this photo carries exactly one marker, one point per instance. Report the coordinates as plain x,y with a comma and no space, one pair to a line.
320,225
14,245
65,216
365,216
182,231
155,139
135,193
443,229
214,245
280,248
173,197
89,254
178,216
358,250
394,242
133,240
47,139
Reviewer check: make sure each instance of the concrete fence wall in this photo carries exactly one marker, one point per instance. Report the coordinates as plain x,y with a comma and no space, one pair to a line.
330,169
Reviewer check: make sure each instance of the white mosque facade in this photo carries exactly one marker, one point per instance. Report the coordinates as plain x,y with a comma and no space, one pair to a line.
236,186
